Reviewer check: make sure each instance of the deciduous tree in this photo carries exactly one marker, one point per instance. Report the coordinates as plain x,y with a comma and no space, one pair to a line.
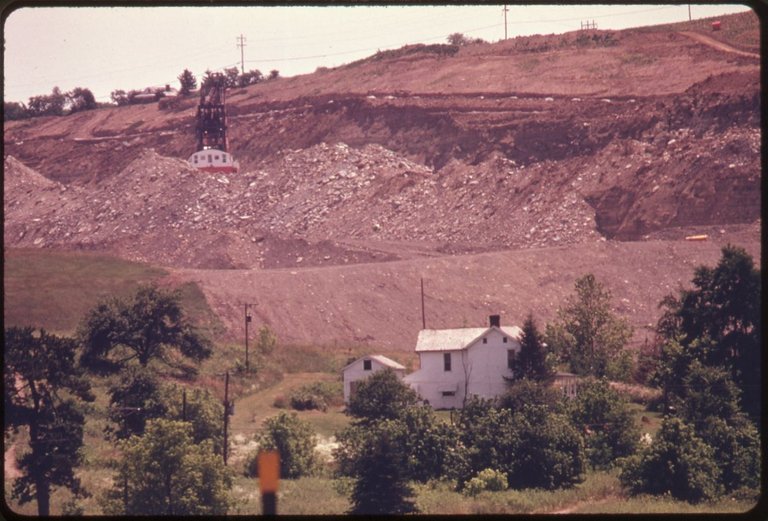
164,472
150,325
381,396
294,439
43,389
603,415
588,335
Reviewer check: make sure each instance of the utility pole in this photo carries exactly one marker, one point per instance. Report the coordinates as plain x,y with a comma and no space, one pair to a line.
247,321
689,12
241,44
423,316
226,416
505,20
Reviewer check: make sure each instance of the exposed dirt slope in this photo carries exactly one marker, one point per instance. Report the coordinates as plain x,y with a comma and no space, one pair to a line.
379,304
411,155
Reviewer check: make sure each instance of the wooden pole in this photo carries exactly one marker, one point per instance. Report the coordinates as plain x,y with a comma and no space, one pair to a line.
247,320
226,415
423,316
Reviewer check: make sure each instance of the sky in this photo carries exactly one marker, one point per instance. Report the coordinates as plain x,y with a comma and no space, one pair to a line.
110,48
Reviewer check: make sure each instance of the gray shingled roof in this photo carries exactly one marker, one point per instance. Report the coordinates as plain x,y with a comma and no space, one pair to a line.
383,360
456,339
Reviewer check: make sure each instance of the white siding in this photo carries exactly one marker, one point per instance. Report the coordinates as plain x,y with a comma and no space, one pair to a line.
482,365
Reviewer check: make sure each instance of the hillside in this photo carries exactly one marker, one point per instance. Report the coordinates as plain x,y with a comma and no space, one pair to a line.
551,146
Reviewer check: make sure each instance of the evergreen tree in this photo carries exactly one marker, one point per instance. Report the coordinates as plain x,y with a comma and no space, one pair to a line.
187,82
43,388
531,362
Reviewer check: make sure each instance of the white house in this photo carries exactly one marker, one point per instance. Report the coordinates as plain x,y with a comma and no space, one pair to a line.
455,363
364,367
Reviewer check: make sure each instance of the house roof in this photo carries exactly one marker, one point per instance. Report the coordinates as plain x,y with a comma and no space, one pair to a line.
457,339
383,360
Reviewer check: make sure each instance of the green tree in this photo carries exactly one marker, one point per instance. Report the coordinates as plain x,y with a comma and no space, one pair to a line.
588,335
232,76
274,74
531,362
133,400
458,39
13,110
294,439
550,451
736,449
528,392
677,462
47,105
187,82
488,439
119,97
381,472
164,472
150,325
718,323
603,414
202,411
43,387
80,99
250,78
381,396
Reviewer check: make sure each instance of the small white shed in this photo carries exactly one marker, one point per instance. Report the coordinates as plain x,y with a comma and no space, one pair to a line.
364,367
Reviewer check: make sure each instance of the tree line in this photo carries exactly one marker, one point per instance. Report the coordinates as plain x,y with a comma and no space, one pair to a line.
59,103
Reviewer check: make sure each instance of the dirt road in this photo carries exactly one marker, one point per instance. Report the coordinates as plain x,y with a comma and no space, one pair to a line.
706,40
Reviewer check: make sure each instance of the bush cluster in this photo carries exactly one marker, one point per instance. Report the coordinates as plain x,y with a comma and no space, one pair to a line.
488,479
317,395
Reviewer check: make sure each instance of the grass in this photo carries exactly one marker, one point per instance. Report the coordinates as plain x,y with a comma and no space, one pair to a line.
55,289
440,498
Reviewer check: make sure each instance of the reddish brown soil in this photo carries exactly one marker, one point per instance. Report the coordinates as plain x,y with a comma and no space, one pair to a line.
537,149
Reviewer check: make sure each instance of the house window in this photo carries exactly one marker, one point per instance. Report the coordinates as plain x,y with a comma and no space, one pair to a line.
216,157
224,158
485,340
510,358
449,393
447,361
504,340
366,365
195,159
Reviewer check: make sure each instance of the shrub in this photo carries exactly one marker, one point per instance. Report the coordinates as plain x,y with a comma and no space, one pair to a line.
317,395
678,463
528,392
281,402
294,439
487,479
602,413
381,396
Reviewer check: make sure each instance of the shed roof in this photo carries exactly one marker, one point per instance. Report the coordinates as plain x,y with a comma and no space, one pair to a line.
457,339
383,360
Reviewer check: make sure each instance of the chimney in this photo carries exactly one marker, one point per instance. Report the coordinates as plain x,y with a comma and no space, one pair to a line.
495,320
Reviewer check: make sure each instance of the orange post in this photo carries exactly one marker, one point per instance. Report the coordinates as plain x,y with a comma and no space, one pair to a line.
269,479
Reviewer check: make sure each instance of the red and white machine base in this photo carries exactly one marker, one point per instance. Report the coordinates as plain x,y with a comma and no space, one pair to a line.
212,160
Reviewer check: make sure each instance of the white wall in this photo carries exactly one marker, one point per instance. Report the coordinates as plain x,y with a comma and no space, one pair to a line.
355,372
484,365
